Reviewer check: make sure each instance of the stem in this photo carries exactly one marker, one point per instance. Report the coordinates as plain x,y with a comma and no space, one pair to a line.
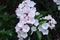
48,37
39,35
29,38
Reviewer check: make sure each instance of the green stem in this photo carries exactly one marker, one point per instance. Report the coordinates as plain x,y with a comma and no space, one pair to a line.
48,37
29,38
39,35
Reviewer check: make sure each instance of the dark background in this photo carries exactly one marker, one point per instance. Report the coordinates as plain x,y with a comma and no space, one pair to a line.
8,18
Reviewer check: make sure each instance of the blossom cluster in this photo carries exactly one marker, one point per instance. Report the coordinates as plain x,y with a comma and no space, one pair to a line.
58,3
50,23
26,13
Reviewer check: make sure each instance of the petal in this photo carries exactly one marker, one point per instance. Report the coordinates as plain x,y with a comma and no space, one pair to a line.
26,28
18,12
47,17
59,7
45,32
20,24
32,4
52,26
31,20
33,28
21,6
40,28
17,29
20,39
37,13
23,34
45,26
31,14
36,23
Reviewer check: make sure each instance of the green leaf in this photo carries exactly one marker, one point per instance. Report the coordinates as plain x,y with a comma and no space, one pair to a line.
39,35
38,16
2,7
8,32
43,12
41,22
1,23
5,16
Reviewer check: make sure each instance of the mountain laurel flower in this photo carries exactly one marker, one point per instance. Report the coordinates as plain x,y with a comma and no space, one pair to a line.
52,26
45,26
33,29
26,13
37,13
28,3
36,23
57,2
44,31
59,7
22,34
20,38
24,28
51,21
18,26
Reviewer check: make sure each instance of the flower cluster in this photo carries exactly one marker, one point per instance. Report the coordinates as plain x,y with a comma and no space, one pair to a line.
50,23
58,3
26,13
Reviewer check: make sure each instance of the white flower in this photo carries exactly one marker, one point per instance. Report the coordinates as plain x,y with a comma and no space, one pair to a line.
50,19
45,32
28,20
31,21
17,29
40,28
37,13
18,12
22,31
45,26
57,1
20,38
29,3
59,7
52,26
18,26
25,28
21,6
36,23
22,9
27,14
29,11
47,17
22,34
22,27
33,29
32,12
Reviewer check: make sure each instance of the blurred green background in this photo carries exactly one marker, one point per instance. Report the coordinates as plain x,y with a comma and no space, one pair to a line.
8,18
